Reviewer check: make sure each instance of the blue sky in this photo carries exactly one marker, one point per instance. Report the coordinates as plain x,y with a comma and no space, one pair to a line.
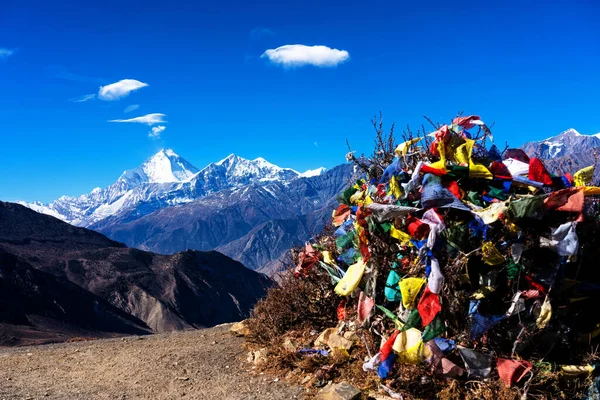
530,66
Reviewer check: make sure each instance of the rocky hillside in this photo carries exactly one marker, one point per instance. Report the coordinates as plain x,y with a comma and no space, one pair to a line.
50,265
254,224
566,152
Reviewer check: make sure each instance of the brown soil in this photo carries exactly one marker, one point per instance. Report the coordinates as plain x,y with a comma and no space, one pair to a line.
202,364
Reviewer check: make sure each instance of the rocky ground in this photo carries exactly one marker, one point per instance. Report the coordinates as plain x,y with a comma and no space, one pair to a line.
201,364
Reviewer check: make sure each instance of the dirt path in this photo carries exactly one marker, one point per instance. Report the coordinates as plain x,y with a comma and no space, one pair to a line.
207,364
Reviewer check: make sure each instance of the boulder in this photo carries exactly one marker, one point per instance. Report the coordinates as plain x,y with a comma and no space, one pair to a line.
339,391
329,337
239,329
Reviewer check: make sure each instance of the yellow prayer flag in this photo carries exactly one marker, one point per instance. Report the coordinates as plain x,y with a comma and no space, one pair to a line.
403,148
491,255
403,237
409,346
584,176
410,288
351,279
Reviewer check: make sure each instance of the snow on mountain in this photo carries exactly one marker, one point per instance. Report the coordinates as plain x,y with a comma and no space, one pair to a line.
163,180
566,152
239,170
564,144
313,172
165,166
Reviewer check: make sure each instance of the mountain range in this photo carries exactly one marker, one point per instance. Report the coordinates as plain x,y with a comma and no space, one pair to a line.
58,281
566,152
251,210
163,180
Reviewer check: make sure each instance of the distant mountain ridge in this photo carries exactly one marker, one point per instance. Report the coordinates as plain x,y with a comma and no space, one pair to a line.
566,152
302,207
167,205
164,180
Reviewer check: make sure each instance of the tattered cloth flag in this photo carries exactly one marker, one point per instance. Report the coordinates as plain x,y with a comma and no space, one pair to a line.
538,172
365,305
429,306
404,148
435,281
340,214
478,365
413,320
564,239
388,357
341,310
387,212
409,346
351,280
468,122
410,288
307,260
433,194
482,324
584,176
490,254
441,365
512,371
545,314
434,329
392,288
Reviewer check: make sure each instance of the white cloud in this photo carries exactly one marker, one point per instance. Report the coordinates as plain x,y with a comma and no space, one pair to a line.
5,53
148,119
85,97
156,131
131,108
297,55
120,89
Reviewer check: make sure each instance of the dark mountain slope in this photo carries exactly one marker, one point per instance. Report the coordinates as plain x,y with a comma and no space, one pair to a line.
190,289
37,307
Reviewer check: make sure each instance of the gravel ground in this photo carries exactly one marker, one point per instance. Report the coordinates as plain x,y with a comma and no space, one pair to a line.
202,364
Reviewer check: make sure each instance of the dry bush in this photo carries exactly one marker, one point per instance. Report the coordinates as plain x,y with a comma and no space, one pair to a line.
295,304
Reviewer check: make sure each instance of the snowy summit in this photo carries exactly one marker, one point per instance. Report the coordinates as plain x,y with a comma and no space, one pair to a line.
163,180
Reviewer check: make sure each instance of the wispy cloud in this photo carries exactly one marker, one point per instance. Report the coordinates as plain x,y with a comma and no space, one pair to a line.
298,55
84,98
5,53
156,132
316,144
131,108
148,119
120,89
58,71
260,32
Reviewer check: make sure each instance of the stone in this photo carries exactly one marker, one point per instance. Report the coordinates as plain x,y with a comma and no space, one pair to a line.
339,391
258,356
329,337
351,335
239,329
289,345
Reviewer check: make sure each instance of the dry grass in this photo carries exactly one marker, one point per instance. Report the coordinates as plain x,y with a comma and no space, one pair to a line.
295,304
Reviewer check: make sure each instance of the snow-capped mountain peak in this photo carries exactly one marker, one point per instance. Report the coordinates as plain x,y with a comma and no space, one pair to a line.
164,167
236,171
566,143
163,180
313,172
